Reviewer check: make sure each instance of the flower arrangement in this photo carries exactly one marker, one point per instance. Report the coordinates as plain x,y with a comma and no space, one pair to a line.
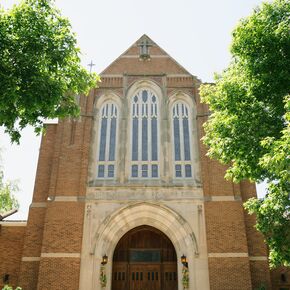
185,277
103,276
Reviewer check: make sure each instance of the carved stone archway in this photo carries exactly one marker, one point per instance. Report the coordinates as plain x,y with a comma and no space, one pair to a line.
158,216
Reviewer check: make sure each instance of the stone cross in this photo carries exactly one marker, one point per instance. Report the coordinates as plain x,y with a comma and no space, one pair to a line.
91,64
144,47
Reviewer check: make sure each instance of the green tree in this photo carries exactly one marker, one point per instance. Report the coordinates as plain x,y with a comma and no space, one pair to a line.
7,200
249,123
40,71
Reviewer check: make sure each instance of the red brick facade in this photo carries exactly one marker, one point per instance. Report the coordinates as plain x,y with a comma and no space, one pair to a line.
46,254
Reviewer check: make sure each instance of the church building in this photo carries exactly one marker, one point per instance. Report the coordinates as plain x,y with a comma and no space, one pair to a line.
125,197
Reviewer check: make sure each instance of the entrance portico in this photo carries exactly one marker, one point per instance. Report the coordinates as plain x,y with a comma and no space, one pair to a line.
116,225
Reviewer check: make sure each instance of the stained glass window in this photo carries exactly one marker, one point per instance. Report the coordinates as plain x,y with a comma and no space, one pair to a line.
181,141
144,135
107,141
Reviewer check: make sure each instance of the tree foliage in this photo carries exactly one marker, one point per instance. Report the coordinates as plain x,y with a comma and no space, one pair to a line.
7,200
7,287
40,71
249,124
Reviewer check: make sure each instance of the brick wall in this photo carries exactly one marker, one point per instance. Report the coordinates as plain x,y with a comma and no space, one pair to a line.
11,244
59,266
59,274
281,278
229,274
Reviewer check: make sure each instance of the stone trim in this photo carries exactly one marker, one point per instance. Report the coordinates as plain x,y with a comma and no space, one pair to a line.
38,204
130,194
222,198
151,56
228,255
30,259
13,224
66,198
60,255
258,258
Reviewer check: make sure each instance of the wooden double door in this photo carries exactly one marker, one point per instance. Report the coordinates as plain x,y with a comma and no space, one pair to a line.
144,259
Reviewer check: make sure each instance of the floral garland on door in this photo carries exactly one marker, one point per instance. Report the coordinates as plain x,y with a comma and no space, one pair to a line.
103,276
185,277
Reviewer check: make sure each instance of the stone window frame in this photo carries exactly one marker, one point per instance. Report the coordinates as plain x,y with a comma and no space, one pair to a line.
108,98
183,98
132,91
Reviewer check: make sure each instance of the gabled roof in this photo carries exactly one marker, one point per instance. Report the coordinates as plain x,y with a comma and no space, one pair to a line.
159,62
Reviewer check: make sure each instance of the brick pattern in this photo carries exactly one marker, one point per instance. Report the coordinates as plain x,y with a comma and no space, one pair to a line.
229,274
225,227
154,50
109,82
260,274
35,224
29,275
59,274
277,281
70,161
152,66
63,227
34,232
44,166
255,239
11,243
180,82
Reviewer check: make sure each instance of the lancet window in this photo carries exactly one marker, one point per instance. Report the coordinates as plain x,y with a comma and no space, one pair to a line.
182,143
107,141
144,136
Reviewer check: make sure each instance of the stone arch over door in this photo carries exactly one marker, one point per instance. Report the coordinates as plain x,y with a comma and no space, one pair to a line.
173,225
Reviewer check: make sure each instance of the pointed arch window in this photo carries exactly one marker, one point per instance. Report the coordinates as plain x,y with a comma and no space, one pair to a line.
144,135
107,141
182,143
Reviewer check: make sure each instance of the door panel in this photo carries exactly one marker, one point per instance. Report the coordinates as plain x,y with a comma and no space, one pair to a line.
145,277
169,276
120,276
144,259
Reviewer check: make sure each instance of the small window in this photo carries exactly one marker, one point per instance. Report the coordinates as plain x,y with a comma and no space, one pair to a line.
144,170
111,170
187,170
154,170
178,172
134,170
101,171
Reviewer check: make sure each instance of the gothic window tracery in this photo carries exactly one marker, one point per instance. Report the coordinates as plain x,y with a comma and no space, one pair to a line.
107,141
144,136
181,140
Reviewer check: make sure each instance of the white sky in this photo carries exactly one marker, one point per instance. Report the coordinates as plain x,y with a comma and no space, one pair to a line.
197,33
